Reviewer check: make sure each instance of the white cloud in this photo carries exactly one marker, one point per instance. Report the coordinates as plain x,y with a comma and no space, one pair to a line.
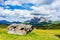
52,9
16,15
56,4
11,2
41,9
37,2
19,2
34,1
1,8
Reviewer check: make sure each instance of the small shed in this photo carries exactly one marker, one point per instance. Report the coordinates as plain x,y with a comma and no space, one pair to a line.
20,29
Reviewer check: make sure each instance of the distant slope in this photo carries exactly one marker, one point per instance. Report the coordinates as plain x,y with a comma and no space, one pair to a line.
7,22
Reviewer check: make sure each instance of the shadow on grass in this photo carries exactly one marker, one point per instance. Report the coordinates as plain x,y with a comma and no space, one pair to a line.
57,36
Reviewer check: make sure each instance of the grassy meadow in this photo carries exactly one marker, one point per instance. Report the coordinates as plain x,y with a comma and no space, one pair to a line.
36,34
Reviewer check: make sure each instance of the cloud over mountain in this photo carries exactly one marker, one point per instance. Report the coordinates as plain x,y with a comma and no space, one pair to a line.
22,10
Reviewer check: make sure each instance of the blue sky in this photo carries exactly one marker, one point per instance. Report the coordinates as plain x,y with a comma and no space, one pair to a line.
21,10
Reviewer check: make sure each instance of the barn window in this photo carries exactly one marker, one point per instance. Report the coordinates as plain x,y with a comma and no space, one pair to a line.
14,27
22,29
